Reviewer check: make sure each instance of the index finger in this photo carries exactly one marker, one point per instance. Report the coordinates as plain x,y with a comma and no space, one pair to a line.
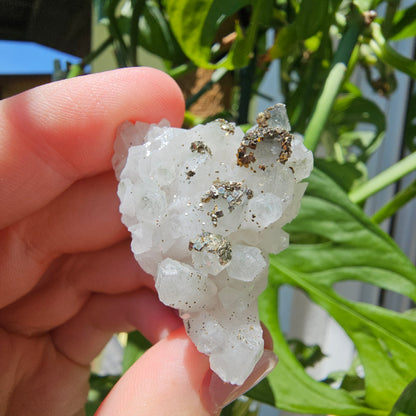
55,134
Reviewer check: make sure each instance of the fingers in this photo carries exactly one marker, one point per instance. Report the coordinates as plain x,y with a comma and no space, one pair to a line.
165,381
36,380
215,394
67,286
84,336
173,378
60,132
83,218
113,270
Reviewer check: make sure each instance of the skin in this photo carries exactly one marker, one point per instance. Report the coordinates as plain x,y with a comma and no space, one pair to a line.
68,281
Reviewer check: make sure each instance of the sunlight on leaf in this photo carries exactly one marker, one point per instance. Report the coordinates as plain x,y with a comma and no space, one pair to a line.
195,23
356,250
404,24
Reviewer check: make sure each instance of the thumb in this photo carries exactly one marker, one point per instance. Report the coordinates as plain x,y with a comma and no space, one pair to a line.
173,378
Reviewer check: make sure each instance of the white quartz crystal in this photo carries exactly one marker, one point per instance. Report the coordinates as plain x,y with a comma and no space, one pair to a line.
205,207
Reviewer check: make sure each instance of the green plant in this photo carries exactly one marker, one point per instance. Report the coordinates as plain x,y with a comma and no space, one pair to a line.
319,49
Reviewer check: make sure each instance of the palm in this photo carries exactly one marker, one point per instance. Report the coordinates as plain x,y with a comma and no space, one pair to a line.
47,372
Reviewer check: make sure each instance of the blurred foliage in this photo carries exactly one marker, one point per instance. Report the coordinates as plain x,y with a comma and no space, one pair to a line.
319,48
406,405
307,355
99,388
355,249
243,406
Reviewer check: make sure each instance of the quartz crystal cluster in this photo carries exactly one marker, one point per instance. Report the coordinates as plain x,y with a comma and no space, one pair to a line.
205,207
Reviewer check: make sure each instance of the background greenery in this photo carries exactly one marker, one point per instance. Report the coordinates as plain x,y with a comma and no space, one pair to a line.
320,45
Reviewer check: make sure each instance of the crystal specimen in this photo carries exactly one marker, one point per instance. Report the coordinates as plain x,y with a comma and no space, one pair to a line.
205,207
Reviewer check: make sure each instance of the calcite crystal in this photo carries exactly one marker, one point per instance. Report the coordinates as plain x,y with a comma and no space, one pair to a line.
205,207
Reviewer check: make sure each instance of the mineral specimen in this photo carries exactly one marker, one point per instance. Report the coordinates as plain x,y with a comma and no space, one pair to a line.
205,207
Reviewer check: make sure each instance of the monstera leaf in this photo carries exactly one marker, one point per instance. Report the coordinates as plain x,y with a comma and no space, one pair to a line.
343,245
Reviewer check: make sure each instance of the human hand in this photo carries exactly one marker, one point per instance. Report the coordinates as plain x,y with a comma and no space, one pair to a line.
68,280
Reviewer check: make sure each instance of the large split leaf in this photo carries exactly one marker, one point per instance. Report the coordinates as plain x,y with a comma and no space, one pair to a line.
346,246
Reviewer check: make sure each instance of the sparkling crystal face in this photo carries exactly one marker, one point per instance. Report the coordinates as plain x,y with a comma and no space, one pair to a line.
205,207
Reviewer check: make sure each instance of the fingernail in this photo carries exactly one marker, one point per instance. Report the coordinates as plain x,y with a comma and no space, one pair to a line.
217,394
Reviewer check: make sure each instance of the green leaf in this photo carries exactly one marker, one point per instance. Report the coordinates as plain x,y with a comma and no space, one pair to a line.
406,405
345,174
154,33
136,346
410,125
363,5
100,386
242,48
308,355
286,40
349,380
262,392
195,24
241,407
353,249
290,387
311,18
354,383
404,24
350,111
156,36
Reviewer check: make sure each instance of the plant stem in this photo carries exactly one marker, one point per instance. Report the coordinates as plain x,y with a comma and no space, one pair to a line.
305,95
182,69
138,6
74,71
386,53
392,6
384,179
246,89
89,58
400,199
333,82
122,53
78,69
